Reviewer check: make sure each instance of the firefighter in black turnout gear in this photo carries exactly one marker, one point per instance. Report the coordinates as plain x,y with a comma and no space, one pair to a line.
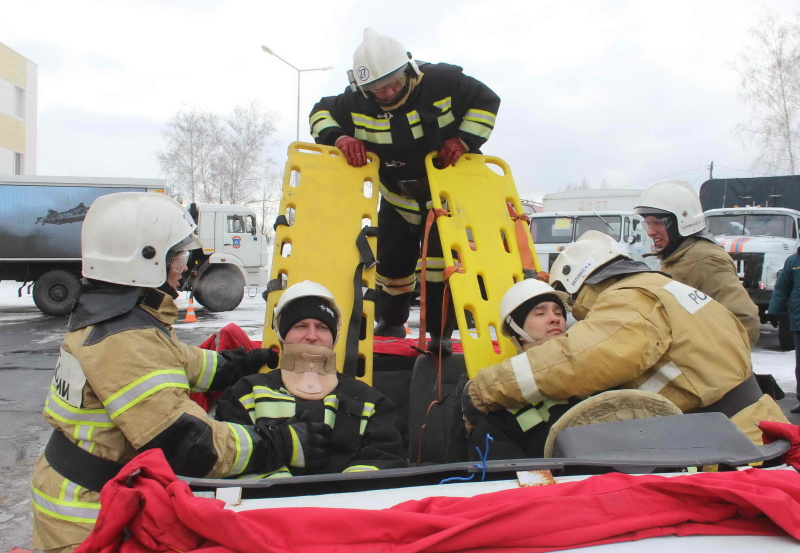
401,110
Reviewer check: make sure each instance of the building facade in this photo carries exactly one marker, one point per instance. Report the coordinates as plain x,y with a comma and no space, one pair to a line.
19,79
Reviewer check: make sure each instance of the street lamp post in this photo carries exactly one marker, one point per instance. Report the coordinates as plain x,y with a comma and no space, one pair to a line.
299,71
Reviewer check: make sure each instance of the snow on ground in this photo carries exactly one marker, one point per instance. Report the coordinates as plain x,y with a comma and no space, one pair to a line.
250,316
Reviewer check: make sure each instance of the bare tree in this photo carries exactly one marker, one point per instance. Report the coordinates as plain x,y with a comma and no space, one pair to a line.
242,160
584,185
193,138
212,161
770,87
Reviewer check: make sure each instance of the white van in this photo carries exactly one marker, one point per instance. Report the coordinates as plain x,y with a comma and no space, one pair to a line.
553,232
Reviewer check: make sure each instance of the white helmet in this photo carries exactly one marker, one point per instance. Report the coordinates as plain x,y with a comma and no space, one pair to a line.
518,294
379,60
126,237
678,198
306,289
582,258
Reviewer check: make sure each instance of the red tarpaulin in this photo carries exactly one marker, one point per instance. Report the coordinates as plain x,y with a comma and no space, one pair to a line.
161,514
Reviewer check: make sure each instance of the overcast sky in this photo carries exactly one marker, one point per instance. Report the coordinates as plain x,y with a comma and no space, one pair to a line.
629,92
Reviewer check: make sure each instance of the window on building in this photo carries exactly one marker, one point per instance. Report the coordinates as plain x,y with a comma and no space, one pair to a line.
19,102
18,165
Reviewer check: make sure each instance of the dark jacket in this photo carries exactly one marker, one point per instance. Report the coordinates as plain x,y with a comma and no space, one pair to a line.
362,420
787,292
445,104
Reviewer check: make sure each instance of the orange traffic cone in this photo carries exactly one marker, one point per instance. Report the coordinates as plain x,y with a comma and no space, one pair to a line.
408,329
190,316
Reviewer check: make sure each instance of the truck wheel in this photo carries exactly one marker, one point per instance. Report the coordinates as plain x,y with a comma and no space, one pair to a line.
221,289
785,336
55,292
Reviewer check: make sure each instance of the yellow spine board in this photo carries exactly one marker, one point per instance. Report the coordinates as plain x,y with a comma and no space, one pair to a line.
476,192
327,202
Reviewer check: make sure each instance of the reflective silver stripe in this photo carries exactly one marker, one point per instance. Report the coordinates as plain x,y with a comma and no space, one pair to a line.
400,201
244,448
72,511
144,387
366,414
66,413
523,373
360,468
207,372
83,437
480,116
661,378
69,490
444,104
372,123
413,117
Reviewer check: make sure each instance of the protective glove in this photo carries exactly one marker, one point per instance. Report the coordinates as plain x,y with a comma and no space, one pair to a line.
353,149
249,362
298,443
451,150
470,413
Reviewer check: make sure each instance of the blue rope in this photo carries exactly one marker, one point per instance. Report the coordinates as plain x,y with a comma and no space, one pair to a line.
483,456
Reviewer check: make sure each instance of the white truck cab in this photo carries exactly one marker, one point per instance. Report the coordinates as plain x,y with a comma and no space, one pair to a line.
553,232
758,239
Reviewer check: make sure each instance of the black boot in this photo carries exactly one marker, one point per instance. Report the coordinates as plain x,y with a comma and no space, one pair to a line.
440,343
795,409
392,313
385,329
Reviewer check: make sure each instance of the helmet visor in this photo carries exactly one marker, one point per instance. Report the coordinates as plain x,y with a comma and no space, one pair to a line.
396,78
191,242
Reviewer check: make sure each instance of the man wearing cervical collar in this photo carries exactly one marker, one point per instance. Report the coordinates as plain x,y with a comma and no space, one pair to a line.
402,110
318,420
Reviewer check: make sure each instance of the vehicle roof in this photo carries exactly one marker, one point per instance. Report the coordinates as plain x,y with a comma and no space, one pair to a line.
602,213
86,181
755,210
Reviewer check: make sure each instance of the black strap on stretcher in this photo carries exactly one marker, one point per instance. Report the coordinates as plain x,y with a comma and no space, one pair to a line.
78,465
366,261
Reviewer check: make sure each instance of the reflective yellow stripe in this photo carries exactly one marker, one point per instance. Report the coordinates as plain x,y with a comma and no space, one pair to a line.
360,468
445,119
395,286
83,437
66,413
207,372
320,121
270,404
244,448
331,407
71,511
480,116
374,137
373,123
475,128
413,117
298,459
434,264
282,472
445,105
142,388
529,417
400,202
366,414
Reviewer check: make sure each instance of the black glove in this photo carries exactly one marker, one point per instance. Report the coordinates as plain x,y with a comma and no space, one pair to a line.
298,443
249,362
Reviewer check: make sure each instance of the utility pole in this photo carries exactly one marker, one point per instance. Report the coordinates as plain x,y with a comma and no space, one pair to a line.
711,171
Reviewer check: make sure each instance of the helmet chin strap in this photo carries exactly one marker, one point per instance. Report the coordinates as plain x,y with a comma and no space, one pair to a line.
523,336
